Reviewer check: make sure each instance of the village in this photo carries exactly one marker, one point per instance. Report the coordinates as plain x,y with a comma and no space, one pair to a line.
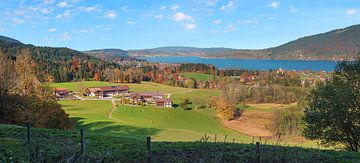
121,93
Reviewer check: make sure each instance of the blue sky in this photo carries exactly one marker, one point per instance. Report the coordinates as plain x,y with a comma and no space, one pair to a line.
137,24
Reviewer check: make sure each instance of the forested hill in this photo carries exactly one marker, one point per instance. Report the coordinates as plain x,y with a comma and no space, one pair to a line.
57,64
334,45
9,40
109,54
338,44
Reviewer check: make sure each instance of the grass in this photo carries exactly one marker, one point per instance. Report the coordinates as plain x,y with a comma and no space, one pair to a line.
143,87
64,146
162,123
198,76
178,93
269,107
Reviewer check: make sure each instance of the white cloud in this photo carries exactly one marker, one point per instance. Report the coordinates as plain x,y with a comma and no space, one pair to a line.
130,22
230,5
248,22
49,1
159,16
229,28
88,9
211,2
180,16
124,8
51,29
293,10
110,15
2,30
174,7
189,26
65,36
87,30
63,4
17,21
45,11
218,21
67,13
163,7
351,11
274,4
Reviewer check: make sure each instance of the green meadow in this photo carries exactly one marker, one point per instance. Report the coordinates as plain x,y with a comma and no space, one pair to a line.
163,124
177,93
198,76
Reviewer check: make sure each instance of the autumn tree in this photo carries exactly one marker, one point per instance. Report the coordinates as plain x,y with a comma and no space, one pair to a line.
333,113
25,73
81,86
23,99
226,104
7,75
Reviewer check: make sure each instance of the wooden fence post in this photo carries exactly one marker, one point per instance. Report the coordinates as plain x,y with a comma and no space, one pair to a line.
28,133
258,155
148,141
82,140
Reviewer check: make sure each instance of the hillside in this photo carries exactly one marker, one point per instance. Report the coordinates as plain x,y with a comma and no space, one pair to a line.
337,44
64,146
62,64
340,44
9,40
109,54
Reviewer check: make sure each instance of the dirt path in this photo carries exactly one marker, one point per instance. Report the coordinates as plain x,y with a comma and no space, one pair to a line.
169,94
112,110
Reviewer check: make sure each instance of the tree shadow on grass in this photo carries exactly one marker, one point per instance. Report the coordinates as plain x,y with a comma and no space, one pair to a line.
114,129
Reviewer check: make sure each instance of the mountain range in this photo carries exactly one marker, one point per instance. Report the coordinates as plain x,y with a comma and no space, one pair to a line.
340,44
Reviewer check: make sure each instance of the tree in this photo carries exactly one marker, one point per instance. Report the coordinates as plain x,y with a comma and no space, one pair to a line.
333,113
81,86
226,104
25,73
185,102
7,76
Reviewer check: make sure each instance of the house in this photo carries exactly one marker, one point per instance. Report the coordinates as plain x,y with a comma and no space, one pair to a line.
61,92
94,92
148,97
114,90
164,102
107,91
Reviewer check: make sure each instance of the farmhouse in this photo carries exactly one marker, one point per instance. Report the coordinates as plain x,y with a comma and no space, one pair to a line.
107,91
164,103
61,92
148,97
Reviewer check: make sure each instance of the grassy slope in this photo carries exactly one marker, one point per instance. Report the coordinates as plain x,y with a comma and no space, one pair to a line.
61,146
163,124
198,76
144,86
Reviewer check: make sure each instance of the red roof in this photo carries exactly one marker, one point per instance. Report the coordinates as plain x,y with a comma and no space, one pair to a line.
61,89
146,94
110,88
163,100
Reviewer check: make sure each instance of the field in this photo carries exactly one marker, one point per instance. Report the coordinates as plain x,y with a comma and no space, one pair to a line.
117,133
139,122
64,146
170,124
198,76
177,93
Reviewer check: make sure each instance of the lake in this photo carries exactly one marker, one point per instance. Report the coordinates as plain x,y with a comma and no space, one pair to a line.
252,64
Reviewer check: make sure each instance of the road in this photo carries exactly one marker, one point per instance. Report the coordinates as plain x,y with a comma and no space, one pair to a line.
169,94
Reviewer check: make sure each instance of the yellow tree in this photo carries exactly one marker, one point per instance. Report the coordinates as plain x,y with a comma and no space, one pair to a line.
7,81
25,73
